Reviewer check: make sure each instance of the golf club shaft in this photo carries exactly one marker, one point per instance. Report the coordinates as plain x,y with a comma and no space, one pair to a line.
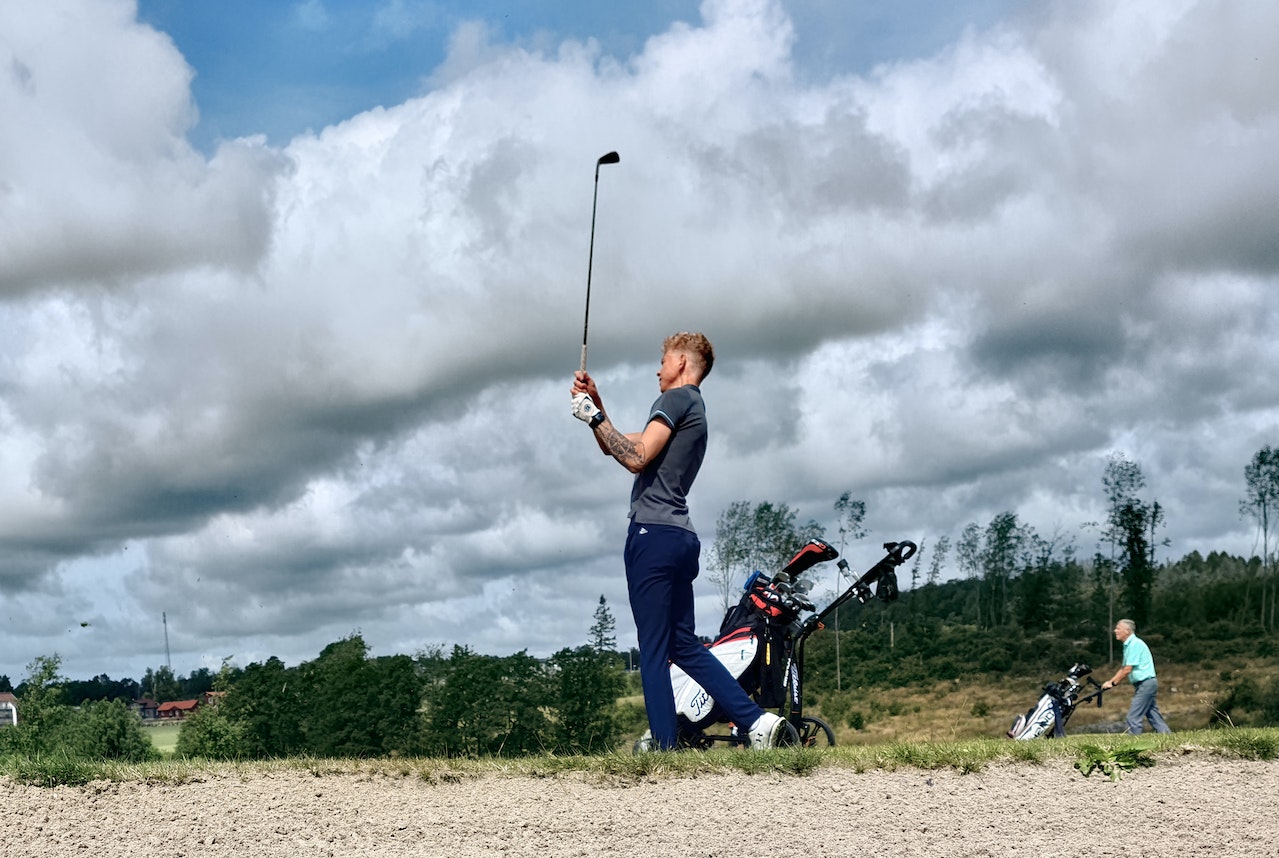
610,158
590,261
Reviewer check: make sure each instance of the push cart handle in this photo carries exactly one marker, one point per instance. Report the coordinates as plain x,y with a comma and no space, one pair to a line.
900,552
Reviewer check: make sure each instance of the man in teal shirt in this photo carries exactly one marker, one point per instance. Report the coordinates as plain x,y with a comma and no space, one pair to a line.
1139,669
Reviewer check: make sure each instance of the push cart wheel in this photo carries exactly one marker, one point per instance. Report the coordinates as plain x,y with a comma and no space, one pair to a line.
696,741
813,730
790,737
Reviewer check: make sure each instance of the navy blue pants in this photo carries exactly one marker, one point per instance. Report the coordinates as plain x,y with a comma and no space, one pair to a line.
661,563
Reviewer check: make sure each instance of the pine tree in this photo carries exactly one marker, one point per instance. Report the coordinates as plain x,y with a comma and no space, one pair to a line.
604,632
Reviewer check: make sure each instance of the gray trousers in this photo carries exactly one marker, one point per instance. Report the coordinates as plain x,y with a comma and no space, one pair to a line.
1144,707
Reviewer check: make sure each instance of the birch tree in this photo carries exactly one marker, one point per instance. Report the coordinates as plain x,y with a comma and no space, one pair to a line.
1261,502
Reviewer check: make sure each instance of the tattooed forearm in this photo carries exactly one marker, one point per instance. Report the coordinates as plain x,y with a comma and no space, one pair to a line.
626,451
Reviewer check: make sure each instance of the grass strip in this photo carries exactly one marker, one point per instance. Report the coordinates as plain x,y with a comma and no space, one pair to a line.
1114,755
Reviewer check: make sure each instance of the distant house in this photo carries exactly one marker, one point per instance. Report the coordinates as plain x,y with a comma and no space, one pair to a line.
176,710
8,709
147,709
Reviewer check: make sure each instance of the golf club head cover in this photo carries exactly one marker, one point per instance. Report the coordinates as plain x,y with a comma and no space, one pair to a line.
584,409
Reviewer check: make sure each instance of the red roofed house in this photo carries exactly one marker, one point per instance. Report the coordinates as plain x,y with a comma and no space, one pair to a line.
177,709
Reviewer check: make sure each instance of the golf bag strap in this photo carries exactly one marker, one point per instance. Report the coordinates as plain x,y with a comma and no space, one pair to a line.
1059,729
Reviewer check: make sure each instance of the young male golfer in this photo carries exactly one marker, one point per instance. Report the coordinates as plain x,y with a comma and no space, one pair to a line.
661,546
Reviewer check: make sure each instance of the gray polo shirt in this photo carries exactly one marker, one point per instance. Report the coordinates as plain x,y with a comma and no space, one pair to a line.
660,492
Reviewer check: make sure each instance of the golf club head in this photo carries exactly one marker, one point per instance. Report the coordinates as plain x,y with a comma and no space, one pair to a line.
610,158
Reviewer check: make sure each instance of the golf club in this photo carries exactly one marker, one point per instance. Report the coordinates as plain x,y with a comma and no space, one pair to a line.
610,158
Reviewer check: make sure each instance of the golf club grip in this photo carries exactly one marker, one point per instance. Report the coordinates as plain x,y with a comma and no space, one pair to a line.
583,368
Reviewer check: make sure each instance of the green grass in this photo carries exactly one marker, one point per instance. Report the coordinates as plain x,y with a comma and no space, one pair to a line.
164,737
1114,755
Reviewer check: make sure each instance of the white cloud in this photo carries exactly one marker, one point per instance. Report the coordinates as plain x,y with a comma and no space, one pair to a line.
287,394
99,184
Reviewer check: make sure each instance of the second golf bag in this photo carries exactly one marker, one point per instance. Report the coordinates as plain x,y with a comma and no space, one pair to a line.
761,643
1048,717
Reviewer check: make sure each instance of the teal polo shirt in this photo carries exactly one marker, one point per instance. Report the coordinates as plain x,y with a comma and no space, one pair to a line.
1137,654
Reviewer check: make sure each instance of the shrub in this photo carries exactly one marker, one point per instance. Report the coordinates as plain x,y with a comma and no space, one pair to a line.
631,718
1249,703
584,689
210,734
107,730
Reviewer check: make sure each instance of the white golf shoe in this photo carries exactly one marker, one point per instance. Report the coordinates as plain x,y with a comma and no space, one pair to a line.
766,731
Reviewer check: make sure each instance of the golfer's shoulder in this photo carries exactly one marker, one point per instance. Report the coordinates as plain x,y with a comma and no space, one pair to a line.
678,405
688,401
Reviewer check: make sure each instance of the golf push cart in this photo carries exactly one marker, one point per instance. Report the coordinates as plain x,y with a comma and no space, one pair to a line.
761,643
1058,702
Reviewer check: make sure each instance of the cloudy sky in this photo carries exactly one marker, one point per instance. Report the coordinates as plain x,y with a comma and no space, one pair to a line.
291,295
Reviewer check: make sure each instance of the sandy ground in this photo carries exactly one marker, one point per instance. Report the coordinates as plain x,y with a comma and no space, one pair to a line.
1196,804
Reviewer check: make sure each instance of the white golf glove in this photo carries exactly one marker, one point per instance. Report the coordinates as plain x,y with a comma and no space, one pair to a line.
584,409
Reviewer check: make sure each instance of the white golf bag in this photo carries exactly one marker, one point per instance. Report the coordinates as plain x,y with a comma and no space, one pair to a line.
1049,715
736,651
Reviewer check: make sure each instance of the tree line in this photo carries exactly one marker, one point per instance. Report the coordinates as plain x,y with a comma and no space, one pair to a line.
345,703
158,684
1023,603
1011,575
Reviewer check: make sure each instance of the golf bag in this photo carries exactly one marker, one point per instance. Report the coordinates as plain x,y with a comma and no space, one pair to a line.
1048,717
761,644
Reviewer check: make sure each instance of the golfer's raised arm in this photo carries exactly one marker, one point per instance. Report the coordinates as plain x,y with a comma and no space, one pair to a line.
634,450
